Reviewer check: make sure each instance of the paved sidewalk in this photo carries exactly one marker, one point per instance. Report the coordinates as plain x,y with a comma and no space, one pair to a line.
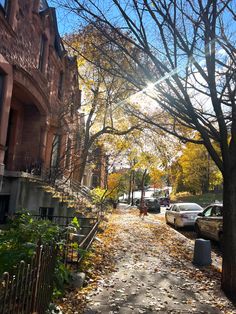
154,274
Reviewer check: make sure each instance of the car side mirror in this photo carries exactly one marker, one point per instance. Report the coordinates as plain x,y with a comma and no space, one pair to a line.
200,214
167,208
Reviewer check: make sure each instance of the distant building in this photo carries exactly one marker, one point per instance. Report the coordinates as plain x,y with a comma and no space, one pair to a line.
100,171
39,99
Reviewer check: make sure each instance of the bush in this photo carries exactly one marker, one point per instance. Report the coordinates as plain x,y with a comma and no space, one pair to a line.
19,240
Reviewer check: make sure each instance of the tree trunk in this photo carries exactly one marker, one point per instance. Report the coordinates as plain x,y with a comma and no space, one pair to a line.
130,187
142,188
229,241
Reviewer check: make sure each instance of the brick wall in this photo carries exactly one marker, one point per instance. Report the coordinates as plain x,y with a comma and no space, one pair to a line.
42,110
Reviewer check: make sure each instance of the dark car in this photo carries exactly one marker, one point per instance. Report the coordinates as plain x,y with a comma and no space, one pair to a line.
164,201
152,204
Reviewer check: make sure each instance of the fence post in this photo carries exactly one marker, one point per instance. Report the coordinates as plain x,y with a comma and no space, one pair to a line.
38,268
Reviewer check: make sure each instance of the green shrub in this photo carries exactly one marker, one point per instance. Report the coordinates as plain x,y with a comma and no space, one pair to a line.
19,241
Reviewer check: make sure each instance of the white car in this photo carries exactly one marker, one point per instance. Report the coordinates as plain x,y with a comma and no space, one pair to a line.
182,214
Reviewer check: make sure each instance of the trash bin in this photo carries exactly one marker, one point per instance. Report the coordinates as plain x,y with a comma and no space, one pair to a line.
202,252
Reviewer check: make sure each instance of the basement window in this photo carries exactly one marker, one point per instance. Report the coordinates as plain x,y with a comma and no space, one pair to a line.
46,212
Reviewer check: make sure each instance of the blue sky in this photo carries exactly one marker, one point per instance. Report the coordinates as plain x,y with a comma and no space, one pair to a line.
67,21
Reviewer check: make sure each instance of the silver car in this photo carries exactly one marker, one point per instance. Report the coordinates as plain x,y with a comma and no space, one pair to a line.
182,214
209,223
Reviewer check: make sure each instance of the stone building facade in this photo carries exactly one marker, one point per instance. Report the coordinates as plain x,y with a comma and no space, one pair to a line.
39,101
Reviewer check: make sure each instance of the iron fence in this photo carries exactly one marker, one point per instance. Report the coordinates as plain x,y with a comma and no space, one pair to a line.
77,244
29,289
64,221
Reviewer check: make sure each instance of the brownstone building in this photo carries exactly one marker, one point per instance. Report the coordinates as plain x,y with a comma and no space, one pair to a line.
39,101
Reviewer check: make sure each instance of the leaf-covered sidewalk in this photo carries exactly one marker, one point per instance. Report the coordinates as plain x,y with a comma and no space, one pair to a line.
144,266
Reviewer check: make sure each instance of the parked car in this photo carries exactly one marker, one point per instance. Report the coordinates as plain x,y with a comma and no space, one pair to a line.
164,201
152,204
137,201
182,214
209,223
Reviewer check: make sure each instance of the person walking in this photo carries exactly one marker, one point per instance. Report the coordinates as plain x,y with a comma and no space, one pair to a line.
142,209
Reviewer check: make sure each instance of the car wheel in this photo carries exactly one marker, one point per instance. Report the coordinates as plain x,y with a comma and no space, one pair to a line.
197,230
175,225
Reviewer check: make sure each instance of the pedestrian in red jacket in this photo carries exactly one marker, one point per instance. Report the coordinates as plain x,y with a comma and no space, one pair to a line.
142,209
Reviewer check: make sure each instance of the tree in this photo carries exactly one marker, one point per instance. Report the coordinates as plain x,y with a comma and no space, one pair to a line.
188,69
199,173
100,91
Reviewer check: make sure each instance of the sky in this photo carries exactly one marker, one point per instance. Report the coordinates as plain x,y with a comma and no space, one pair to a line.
67,21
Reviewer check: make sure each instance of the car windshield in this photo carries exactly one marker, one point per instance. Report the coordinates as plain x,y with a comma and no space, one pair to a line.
190,207
151,201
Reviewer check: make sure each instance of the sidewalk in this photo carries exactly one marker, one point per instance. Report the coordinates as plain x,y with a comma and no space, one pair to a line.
153,272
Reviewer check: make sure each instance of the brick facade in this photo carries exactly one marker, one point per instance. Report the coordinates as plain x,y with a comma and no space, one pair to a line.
40,94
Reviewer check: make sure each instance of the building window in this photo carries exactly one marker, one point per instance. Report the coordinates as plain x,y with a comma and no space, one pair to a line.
46,212
2,76
55,151
68,153
60,85
42,53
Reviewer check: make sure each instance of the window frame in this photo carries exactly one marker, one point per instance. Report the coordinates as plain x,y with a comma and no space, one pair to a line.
46,212
60,85
42,52
55,153
68,153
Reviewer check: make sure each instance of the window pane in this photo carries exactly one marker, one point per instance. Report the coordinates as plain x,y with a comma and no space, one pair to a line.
68,153
42,53
60,85
55,151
